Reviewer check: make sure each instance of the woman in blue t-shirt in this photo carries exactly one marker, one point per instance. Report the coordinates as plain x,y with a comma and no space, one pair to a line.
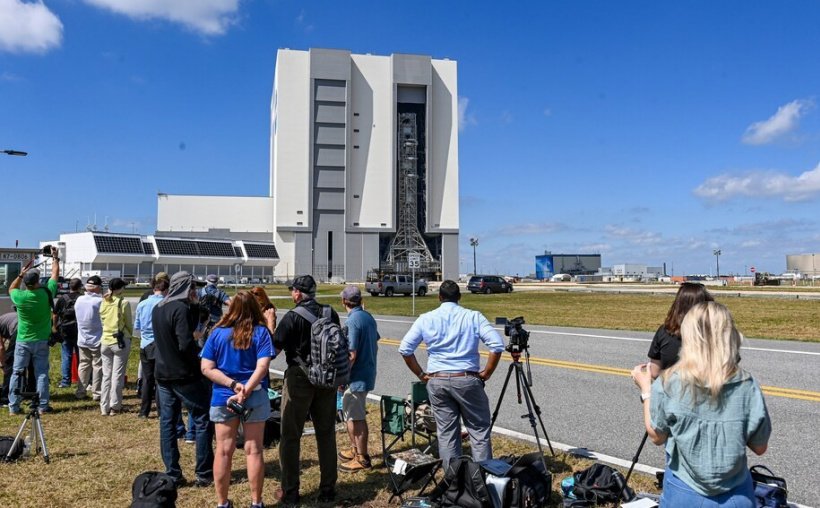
707,410
236,358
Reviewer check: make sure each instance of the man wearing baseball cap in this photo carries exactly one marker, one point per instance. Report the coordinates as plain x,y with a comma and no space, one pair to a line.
300,398
89,337
213,298
33,330
363,335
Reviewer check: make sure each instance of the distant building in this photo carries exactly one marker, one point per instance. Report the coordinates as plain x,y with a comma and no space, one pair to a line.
806,264
632,271
138,258
549,264
12,260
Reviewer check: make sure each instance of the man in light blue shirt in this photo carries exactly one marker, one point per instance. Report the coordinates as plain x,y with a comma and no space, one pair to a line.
454,380
144,326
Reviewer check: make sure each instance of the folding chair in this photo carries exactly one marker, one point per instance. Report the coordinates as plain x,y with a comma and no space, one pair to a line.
413,465
425,427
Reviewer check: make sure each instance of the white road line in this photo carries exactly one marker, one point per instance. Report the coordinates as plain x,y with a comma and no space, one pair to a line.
629,339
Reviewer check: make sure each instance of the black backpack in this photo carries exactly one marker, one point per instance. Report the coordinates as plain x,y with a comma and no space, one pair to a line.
154,490
68,316
6,443
601,483
329,362
531,487
463,486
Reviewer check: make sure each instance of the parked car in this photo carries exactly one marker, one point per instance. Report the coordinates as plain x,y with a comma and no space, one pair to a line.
396,284
489,284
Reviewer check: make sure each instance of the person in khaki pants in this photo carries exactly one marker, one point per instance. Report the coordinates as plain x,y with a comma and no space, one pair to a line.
115,313
89,333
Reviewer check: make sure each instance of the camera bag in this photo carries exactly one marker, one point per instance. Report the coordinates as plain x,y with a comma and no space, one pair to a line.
462,486
153,490
531,487
6,444
770,490
602,483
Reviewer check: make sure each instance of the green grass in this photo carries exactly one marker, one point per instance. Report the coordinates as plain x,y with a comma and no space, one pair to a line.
94,460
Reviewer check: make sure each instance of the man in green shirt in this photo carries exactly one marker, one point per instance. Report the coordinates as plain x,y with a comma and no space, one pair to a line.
33,330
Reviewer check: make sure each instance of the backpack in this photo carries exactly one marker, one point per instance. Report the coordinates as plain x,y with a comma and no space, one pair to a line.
601,483
210,300
329,363
463,486
68,316
153,490
531,487
6,443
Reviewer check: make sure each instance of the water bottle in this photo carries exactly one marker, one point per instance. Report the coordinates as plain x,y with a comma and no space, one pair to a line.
27,447
338,401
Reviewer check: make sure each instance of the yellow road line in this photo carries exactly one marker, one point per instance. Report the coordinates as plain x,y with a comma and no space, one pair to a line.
616,371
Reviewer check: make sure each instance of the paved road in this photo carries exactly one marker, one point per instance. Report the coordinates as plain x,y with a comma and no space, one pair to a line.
581,381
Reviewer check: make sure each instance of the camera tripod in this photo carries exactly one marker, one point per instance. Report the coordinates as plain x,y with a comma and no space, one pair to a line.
36,430
533,409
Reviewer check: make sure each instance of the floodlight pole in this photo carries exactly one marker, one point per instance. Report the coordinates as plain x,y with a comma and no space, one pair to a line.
474,244
15,152
717,253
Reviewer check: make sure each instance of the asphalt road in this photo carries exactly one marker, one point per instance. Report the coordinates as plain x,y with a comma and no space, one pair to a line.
581,382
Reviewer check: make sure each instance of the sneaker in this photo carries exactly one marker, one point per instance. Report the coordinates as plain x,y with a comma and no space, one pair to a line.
80,396
229,504
203,482
64,385
286,500
360,463
142,416
13,413
327,497
190,440
348,455
46,410
180,482
260,504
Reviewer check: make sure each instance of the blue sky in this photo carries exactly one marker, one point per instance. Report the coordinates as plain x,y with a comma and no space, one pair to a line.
649,132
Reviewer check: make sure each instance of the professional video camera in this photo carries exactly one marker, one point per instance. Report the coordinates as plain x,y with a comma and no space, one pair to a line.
519,337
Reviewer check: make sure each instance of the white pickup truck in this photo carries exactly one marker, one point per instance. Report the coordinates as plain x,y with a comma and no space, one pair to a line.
396,284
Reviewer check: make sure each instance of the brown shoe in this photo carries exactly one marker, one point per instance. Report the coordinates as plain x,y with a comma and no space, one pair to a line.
360,463
348,455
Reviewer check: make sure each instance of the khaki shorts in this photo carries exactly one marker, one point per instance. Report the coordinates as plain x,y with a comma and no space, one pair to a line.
354,405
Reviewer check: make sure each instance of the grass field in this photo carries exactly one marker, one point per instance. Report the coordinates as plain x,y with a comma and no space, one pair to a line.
94,460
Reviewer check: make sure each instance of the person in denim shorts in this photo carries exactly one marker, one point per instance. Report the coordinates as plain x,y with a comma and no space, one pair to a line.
236,358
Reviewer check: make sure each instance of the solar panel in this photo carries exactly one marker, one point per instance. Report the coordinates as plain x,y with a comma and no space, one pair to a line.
216,249
118,244
169,247
148,248
238,251
261,250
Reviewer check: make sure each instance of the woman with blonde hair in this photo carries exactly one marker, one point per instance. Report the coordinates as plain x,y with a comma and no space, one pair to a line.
707,410
115,314
236,358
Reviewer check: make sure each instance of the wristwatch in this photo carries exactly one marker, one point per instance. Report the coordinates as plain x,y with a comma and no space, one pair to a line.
645,396
422,374
233,384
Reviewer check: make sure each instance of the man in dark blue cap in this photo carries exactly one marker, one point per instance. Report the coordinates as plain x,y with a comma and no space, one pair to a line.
301,398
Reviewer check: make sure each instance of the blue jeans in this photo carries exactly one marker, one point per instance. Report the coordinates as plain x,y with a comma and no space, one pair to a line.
69,347
38,352
194,395
677,493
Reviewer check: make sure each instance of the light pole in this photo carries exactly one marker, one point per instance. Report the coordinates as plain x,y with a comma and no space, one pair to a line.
474,244
717,253
15,152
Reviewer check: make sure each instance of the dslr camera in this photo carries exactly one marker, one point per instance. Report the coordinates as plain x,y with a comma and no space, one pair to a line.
120,339
240,409
519,337
48,250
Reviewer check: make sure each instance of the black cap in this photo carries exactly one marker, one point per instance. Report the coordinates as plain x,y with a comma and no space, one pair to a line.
116,283
303,283
31,278
94,280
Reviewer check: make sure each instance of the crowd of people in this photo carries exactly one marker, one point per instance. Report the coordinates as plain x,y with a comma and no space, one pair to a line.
697,400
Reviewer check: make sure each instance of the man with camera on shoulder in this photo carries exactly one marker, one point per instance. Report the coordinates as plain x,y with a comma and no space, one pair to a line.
33,329
454,380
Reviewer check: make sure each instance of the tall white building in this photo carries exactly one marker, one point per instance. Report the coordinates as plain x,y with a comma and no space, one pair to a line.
363,168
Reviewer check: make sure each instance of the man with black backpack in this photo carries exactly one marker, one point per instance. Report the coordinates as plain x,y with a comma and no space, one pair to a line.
302,396
65,321
33,330
213,298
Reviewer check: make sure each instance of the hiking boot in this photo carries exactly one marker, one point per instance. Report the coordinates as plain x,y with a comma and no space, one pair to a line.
360,463
348,455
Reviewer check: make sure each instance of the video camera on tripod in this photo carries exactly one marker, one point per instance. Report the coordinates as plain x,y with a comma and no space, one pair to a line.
519,337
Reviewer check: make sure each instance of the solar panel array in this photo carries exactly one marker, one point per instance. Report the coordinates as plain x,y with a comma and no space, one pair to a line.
261,250
148,248
173,247
238,251
118,244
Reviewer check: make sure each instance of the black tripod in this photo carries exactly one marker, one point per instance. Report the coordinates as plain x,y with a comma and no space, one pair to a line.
36,428
629,473
533,409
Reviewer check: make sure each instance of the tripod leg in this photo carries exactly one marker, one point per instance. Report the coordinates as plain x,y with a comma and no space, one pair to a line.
634,461
42,440
17,437
537,409
501,397
531,416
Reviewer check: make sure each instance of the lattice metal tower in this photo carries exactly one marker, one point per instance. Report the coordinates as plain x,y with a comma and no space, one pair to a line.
408,238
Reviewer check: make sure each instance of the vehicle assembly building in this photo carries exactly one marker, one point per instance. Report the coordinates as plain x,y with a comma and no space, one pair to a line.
363,169
549,264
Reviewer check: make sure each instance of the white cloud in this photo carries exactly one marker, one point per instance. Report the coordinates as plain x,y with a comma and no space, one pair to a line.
209,17
533,228
633,236
759,184
28,27
785,120
10,77
464,119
